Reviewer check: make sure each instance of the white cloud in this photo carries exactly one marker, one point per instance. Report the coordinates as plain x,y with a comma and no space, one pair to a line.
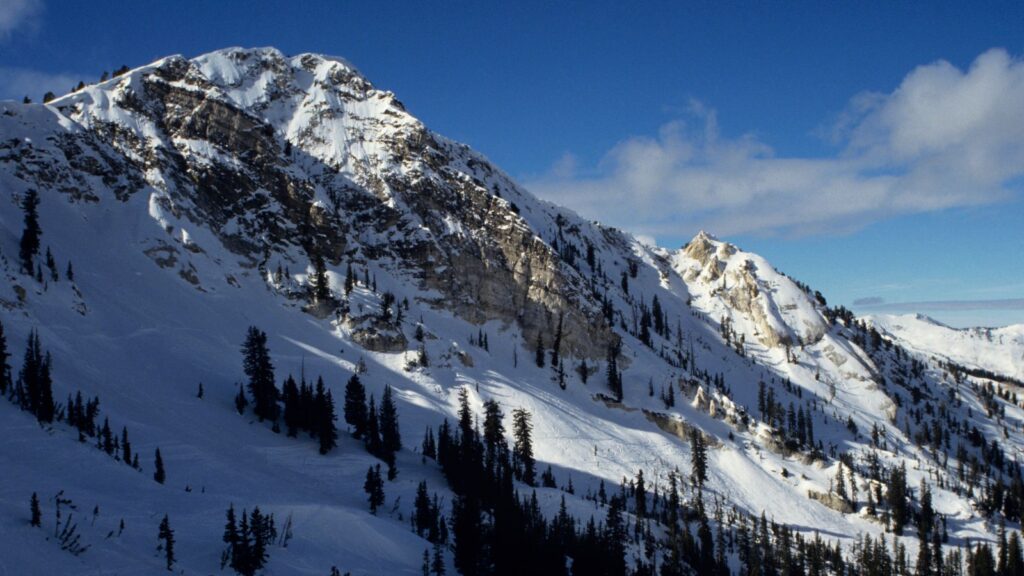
944,138
16,83
16,13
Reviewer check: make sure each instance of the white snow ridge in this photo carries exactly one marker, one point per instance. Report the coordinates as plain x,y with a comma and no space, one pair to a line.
185,201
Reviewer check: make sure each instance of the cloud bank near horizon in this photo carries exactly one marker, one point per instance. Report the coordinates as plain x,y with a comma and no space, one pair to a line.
945,138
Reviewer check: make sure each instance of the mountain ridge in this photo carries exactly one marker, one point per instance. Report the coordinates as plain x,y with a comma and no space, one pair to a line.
198,197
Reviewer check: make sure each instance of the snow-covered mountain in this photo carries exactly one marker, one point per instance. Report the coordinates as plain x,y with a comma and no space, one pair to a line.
998,350
184,201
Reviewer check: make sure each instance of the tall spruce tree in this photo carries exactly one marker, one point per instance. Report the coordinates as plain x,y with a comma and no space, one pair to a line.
372,436
325,418
355,406
522,451
374,488
35,386
321,285
614,378
36,518
158,468
390,436
698,458
260,370
166,537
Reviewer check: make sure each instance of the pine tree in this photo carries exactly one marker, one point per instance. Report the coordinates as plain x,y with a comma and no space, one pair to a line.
126,447
391,438
166,535
698,458
522,451
899,506
539,351
556,346
326,431
421,516
240,400
36,514
1014,558
29,246
231,537
260,371
290,395
158,468
437,564
355,406
35,386
372,436
321,285
350,279
614,378
51,265
374,488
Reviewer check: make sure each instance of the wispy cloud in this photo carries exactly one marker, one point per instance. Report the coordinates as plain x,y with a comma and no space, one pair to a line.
15,14
877,305
869,301
944,138
16,83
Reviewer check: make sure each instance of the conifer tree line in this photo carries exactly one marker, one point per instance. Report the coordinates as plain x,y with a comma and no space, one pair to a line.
306,408
247,540
33,393
377,427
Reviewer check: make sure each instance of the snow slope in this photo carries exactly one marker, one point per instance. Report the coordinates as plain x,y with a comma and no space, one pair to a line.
999,350
180,189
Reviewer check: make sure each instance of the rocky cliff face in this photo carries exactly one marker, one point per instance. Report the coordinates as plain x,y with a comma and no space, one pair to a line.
289,158
781,312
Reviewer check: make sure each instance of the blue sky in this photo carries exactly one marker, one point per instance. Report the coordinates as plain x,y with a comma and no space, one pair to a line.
872,150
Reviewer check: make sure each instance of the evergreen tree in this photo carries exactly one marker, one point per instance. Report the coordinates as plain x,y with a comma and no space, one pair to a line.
30,235
437,564
321,285
539,351
158,468
421,516
290,395
258,367
325,418
1014,558
468,533
556,346
390,436
522,451
350,279
614,378
374,488
166,536
372,438
36,514
897,498
240,400
640,495
698,458
34,382
126,447
355,406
